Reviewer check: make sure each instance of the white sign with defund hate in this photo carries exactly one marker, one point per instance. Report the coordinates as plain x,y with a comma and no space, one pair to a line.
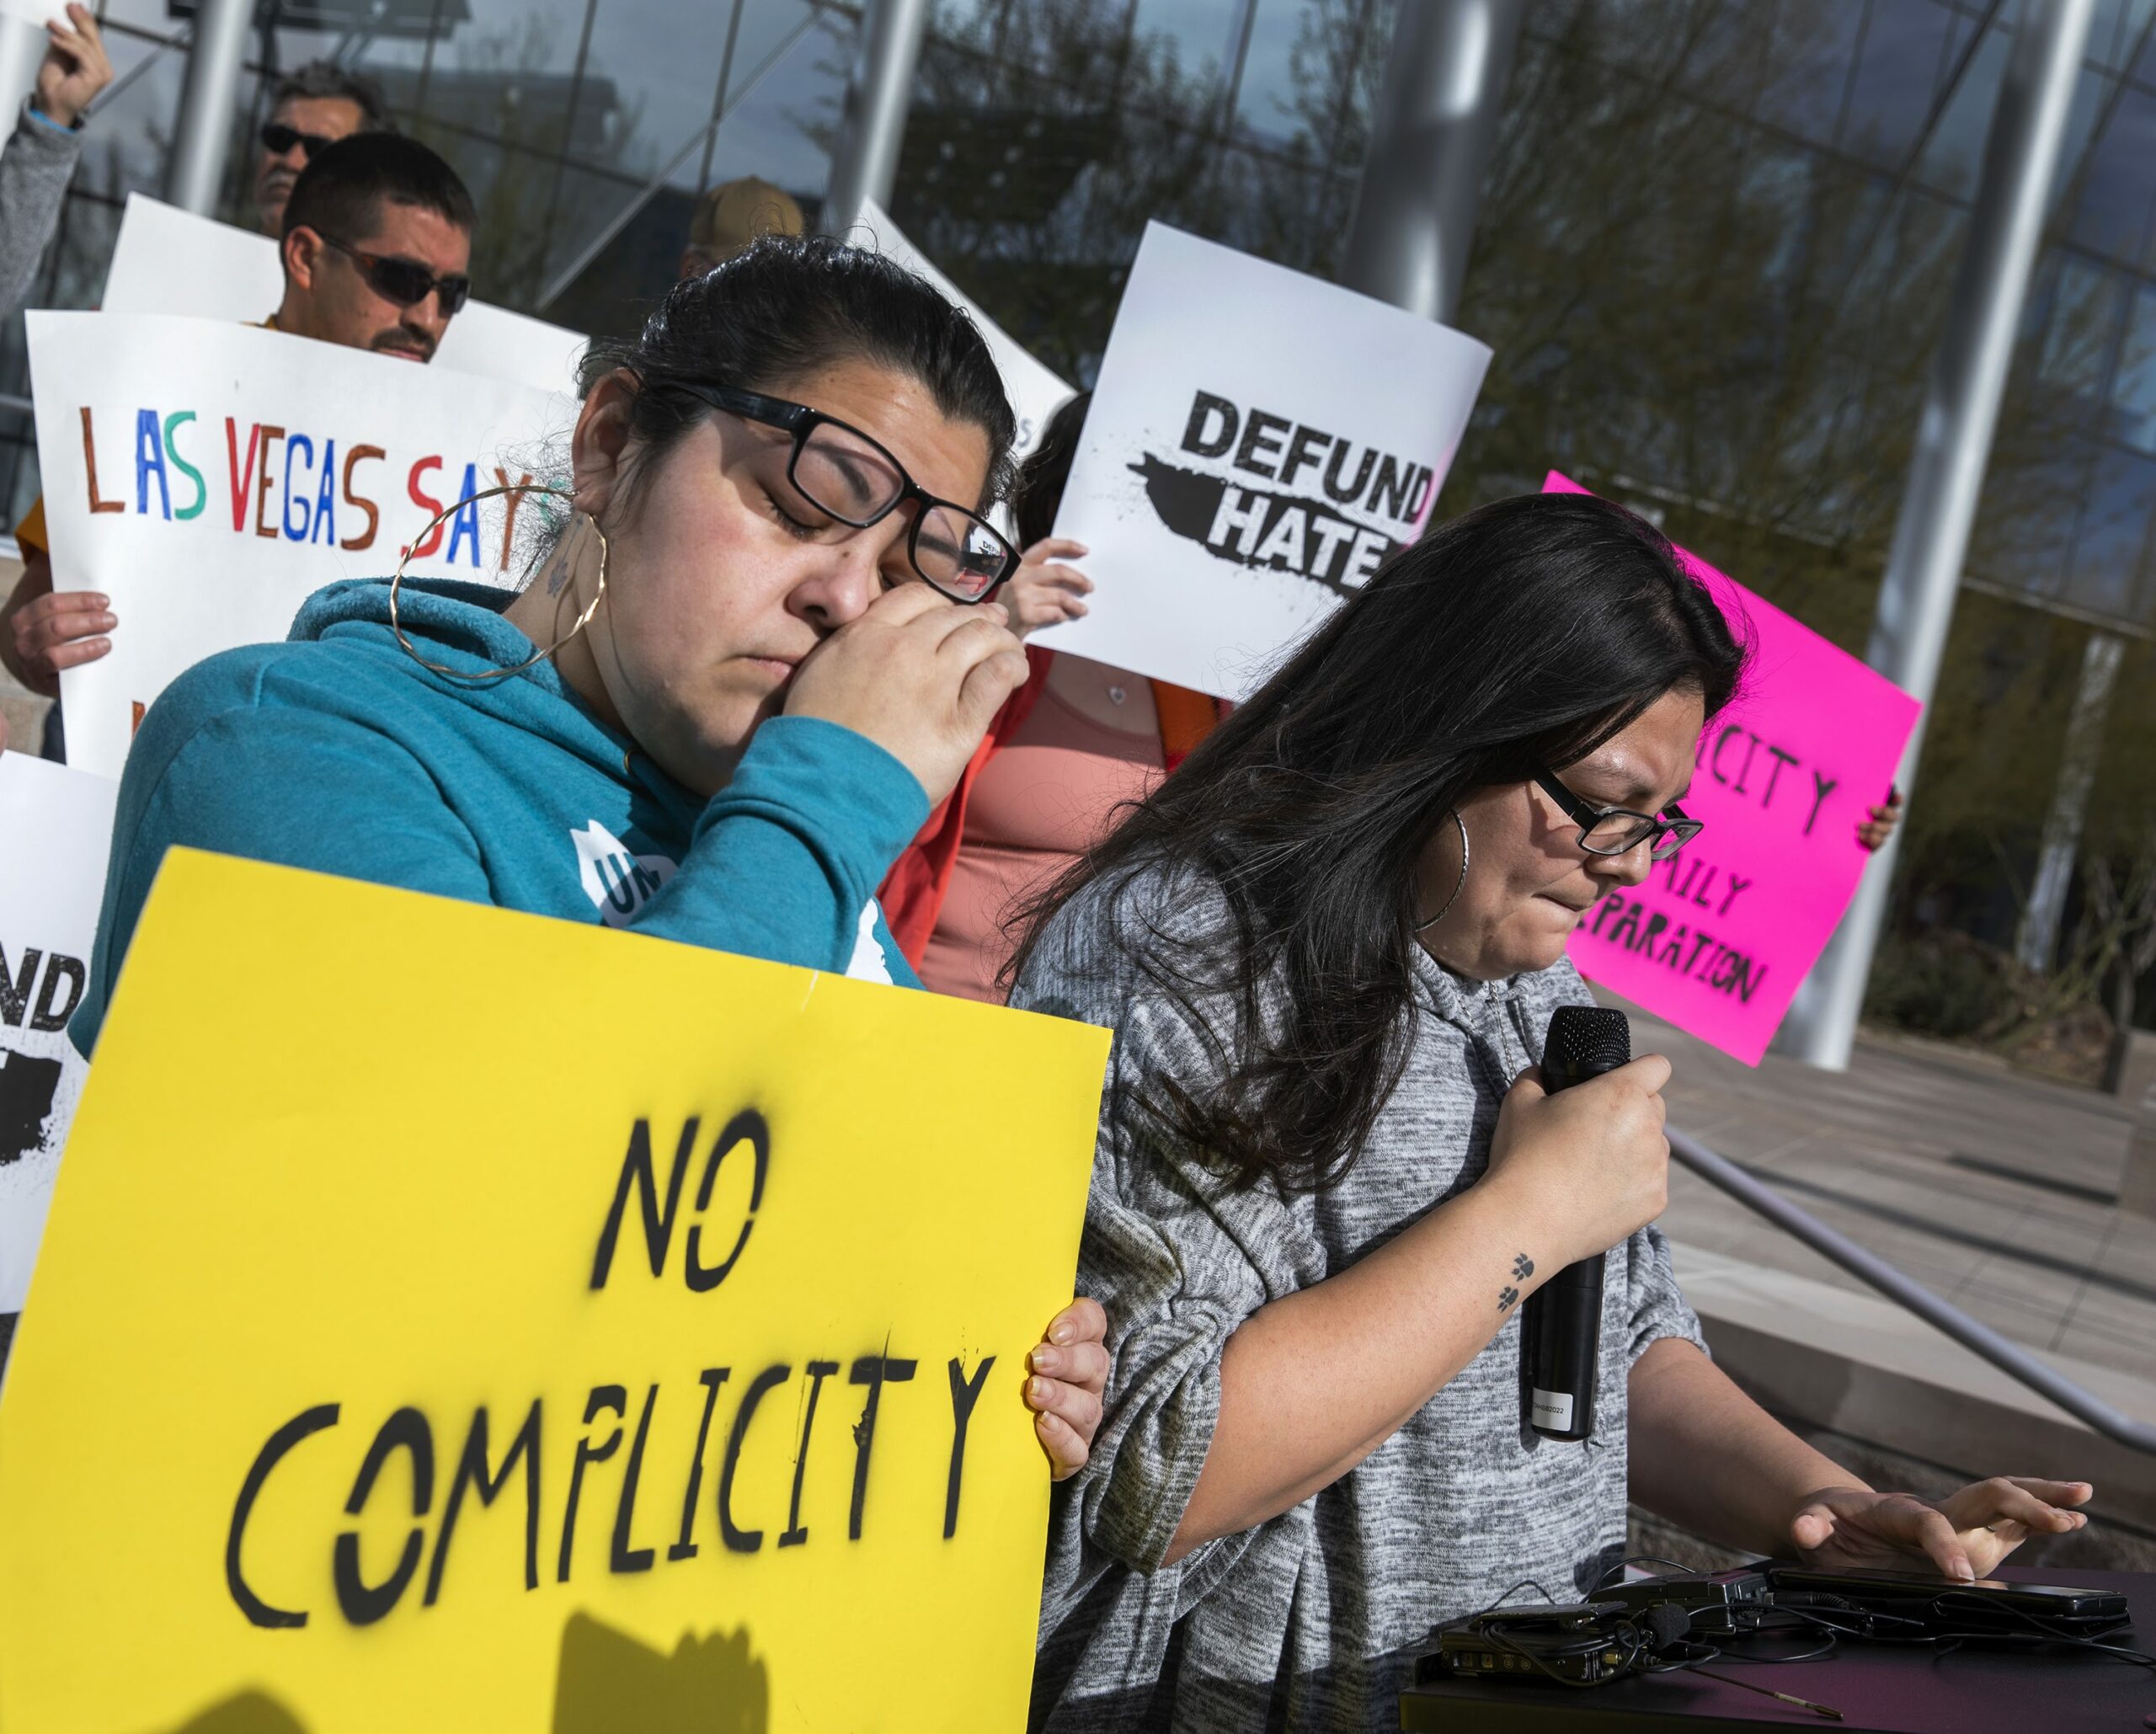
1258,444
58,825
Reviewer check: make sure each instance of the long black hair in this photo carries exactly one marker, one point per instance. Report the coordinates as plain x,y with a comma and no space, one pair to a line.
1527,632
788,305
1046,469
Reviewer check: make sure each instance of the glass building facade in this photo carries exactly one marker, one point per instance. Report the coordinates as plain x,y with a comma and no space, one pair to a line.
1716,249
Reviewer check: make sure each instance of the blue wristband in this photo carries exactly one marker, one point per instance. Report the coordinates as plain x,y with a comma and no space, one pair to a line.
37,113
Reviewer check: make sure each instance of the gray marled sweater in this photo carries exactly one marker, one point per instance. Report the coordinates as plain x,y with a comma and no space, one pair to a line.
35,169
1309,1621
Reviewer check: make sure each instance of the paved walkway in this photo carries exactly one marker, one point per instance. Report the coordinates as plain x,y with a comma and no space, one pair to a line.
1996,1189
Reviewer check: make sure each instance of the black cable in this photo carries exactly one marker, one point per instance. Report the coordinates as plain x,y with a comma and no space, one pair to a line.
1524,1583
2042,1631
1504,1641
1603,1582
1833,1638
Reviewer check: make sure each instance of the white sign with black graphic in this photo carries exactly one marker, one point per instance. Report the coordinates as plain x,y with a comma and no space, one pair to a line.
1258,443
58,824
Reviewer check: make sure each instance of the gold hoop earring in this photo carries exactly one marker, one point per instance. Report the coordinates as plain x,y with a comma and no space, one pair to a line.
582,620
1425,926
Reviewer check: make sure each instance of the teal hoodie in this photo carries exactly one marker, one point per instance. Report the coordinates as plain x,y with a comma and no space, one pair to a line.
337,752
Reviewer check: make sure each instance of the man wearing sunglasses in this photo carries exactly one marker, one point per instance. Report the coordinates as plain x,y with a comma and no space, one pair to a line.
376,244
313,107
376,247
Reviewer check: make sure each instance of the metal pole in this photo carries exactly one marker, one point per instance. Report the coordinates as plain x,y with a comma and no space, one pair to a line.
1437,116
208,104
1866,1266
2077,775
865,164
1960,411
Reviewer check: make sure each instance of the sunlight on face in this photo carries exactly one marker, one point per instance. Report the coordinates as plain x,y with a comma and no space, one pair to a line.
724,577
1529,881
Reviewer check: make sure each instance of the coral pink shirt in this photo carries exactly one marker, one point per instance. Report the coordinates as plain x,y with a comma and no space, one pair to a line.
1050,795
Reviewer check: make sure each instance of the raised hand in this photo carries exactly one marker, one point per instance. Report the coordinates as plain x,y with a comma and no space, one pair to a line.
75,68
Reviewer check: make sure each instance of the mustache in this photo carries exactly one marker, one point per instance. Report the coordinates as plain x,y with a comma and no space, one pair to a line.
405,342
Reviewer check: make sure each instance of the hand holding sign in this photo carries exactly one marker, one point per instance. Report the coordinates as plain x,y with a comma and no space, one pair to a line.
703,1325
48,630
75,68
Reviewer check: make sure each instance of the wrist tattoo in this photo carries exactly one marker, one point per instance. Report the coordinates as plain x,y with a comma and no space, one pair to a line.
1523,1268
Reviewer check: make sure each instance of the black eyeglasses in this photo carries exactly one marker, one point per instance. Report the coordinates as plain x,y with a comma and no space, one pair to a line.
1613,831
846,475
406,282
277,138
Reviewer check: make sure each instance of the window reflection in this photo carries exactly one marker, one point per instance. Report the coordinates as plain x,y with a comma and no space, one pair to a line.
1898,77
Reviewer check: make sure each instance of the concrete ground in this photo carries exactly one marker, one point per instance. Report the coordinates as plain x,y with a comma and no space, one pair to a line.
1998,1190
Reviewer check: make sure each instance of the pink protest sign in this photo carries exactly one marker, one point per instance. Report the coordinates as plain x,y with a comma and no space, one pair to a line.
1718,939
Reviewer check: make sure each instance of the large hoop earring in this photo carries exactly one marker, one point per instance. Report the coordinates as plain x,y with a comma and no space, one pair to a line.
582,620
1425,926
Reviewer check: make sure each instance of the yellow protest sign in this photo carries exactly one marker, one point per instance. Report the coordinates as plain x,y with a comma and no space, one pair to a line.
455,1319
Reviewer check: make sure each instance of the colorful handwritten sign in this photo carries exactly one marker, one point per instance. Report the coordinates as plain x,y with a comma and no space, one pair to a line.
639,1344
58,827
1719,939
1239,476
208,477
167,260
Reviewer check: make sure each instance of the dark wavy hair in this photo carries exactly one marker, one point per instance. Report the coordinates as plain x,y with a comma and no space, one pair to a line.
1047,468
788,305
341,191
1525,633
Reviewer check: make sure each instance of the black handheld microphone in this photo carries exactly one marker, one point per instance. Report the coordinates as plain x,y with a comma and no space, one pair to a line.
1561,1336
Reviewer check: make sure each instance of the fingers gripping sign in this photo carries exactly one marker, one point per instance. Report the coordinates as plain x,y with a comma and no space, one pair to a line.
1046,593
1069,1376
44,631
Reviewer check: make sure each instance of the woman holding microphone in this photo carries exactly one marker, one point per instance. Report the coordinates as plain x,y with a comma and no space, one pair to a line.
754,653
1328,1177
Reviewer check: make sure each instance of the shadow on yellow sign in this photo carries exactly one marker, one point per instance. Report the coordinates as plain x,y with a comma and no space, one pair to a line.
609,1682
454,1319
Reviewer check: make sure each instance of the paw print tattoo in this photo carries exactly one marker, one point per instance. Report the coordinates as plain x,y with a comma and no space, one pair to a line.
1505,1296
1522,1267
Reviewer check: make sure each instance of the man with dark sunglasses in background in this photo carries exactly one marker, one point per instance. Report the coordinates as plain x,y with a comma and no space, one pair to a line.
376,245
313,107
